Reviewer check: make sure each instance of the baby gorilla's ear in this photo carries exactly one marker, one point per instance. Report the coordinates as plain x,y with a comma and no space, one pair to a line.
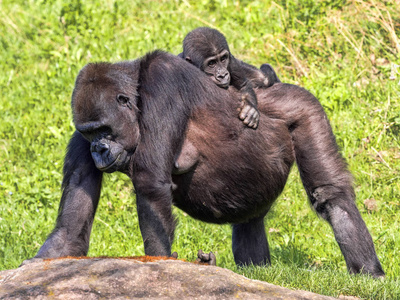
187,58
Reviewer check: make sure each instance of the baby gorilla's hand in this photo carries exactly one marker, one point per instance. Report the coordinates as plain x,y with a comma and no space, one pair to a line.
249,114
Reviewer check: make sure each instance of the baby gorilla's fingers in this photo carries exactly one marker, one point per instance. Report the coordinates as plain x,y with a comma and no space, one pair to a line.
252,118
256,119
244,113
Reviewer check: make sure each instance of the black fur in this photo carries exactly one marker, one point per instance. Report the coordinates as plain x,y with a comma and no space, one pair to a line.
173,111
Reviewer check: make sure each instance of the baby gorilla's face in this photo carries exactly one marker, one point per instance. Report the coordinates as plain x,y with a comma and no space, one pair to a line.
217,68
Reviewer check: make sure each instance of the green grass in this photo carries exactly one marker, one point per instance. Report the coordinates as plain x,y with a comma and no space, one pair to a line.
342,51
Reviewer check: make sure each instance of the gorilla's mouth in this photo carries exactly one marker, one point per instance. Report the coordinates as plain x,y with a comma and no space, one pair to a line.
110,156
223,85
118,161
111,164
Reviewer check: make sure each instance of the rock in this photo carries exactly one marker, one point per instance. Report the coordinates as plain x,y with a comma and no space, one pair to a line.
128,278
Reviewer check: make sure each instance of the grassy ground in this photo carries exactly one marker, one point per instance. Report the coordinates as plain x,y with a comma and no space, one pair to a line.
342,51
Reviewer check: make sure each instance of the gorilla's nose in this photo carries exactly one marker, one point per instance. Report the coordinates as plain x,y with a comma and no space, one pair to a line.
100,147
222,76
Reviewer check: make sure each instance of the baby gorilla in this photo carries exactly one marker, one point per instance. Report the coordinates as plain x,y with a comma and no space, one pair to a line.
208,50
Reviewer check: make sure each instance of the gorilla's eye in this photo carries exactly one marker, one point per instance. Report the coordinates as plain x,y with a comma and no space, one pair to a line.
212,63
124,101
224,58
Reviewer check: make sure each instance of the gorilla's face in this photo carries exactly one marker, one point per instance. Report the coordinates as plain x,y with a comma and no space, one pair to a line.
105,113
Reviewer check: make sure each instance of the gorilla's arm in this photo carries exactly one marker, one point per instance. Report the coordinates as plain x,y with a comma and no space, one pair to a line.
260,78
245,78
81,192
249,112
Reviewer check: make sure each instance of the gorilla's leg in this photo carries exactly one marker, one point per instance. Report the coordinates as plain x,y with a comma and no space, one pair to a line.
81,192
270,74
328,184
249,243
349,228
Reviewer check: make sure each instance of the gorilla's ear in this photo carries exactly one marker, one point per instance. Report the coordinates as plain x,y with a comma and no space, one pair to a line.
187,58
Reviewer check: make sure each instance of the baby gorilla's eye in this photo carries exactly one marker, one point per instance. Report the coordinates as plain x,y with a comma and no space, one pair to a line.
212,63
224,58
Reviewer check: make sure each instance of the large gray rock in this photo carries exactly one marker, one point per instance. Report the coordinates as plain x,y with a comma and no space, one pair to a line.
109,278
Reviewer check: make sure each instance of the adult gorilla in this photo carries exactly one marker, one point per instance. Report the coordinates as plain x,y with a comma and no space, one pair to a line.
175,133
